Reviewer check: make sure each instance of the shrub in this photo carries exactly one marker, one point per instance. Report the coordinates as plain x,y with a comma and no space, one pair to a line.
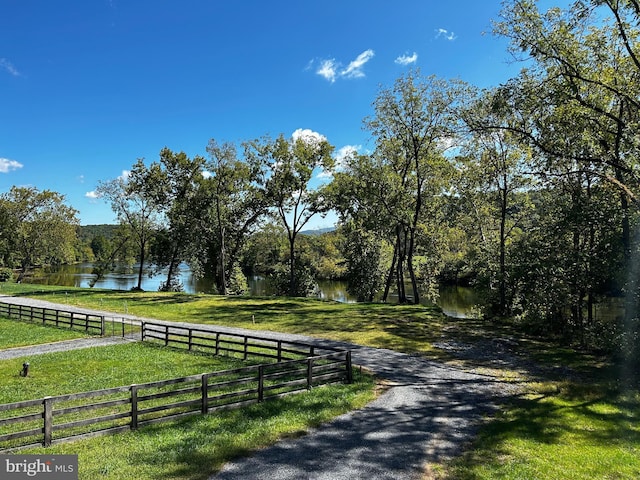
6,274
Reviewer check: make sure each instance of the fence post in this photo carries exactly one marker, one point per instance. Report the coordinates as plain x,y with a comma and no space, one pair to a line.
205,393
143,326
217,343
48,421
246,342
349,367
103,326
166,335
260,383
279,350
134,407
190,338
309,373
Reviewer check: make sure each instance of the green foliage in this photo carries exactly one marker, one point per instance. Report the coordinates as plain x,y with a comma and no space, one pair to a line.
304,284
36,227
6,274
237,282
363,253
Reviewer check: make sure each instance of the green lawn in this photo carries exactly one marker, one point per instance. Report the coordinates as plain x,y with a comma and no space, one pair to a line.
566,432
19,334
192,448
97,368
579,427
405,328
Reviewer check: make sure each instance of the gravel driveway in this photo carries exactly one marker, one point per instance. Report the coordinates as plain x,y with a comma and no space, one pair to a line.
428,413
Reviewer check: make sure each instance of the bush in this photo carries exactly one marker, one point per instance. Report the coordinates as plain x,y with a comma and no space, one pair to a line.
6,274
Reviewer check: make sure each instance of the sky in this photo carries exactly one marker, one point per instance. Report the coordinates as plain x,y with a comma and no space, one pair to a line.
87,87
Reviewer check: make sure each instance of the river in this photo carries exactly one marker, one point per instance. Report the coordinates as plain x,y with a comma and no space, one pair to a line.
455,301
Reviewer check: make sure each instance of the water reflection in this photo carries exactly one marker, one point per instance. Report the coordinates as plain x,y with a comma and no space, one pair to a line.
458,302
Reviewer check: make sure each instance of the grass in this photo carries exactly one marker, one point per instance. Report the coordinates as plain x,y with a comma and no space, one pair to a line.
102,367
564,431
18,334
410,328
194,447
576,417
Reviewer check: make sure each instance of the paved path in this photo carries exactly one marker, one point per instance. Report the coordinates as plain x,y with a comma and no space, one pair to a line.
429,412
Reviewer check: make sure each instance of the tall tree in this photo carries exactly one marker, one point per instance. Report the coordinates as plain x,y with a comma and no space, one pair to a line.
494,183
291,166
414,124
235,198
134,200
178,181
37,228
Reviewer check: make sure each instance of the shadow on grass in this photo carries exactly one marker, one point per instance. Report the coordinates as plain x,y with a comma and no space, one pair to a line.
584,418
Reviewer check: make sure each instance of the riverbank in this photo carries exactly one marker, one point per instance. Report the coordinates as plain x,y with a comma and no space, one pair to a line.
572,415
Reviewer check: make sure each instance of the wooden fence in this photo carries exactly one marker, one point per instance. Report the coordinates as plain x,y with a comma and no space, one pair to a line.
52,420
226,343
92,324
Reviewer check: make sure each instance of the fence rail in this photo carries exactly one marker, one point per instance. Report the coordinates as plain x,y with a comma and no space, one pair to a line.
51,420
298,367
90,323
225,343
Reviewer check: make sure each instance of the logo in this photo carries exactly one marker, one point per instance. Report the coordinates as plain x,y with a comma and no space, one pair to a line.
49,467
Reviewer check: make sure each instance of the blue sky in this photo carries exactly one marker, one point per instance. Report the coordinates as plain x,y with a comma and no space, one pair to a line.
89,86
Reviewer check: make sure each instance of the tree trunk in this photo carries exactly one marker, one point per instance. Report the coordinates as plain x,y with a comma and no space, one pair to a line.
502,282
412,275
387,285
402,255
292,266
141,268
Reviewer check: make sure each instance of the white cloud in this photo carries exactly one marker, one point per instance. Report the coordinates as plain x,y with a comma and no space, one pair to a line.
343,154
92,195
8,66
308,136
340,157
407,59
354,70
447,35
331,69
125,175
327,70
7,165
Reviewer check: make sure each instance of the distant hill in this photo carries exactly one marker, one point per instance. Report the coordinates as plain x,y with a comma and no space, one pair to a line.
318,231
89,232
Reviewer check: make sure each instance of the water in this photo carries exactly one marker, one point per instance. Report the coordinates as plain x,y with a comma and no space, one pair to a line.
458,302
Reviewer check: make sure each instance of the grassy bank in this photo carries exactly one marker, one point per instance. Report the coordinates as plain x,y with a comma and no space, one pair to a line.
192,448
405,328
18,334
576,416
557,431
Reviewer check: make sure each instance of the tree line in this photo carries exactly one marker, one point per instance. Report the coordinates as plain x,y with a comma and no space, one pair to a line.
529,189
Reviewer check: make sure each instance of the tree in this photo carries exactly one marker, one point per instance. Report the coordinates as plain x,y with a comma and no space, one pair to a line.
578,102
414,124
363,252
37,228
494,183
235,199
134,199
291,164
178,188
